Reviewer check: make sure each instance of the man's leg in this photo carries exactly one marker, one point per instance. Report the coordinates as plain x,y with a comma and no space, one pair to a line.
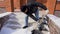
33,17
26,22
37,14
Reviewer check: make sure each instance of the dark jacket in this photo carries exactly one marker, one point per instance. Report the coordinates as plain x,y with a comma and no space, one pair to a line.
32,7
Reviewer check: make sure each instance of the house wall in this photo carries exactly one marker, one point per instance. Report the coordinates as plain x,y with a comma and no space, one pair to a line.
2,4
57,6
8,5
18,3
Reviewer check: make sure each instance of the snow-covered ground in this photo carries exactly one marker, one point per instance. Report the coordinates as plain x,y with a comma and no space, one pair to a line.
6,30
14,25
55,19
16,22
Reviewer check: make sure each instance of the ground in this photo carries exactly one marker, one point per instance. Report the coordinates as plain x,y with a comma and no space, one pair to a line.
16,22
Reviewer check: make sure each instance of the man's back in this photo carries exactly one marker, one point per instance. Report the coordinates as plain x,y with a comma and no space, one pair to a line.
33,7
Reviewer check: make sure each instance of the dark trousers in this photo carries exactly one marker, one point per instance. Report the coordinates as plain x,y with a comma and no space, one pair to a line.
33,17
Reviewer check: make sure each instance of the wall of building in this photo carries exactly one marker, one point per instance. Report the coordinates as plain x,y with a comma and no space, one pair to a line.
23,2
2,4
18,3
51,5
8,5
58,6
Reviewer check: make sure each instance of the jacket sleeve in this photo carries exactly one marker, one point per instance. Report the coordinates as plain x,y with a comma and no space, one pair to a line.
41,6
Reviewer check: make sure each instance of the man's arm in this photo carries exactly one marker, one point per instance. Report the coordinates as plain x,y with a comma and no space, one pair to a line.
42,6
37,4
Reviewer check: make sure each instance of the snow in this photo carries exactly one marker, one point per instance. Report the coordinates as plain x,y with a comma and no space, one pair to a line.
55,19
6,30
5,14
15,23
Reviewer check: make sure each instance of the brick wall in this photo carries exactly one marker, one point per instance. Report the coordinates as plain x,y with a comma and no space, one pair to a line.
22,2
18,3
58,5
8,5
2,4
42,1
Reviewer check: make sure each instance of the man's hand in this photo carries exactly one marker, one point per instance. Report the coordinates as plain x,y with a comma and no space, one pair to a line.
45,12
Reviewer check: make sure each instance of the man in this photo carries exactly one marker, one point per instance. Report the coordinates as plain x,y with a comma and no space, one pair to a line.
31,8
